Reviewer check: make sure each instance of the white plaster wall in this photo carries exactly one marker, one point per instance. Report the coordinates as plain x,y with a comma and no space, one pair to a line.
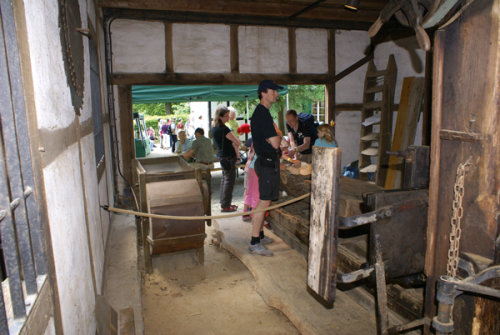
410,60
312,50
65,193
65,204
138,46
52,96
93,210
263,49
347,130
201,48
349,48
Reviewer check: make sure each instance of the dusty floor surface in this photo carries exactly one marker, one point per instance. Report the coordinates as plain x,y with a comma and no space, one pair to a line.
219,297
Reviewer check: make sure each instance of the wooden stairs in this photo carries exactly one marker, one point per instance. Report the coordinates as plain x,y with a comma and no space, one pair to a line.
376,121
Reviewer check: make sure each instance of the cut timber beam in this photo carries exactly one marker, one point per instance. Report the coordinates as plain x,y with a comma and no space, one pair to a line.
323,230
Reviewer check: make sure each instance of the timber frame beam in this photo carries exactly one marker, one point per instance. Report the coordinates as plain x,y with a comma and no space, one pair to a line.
217,79
258,20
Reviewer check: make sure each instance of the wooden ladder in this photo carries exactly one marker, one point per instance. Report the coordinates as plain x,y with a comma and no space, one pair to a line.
376,121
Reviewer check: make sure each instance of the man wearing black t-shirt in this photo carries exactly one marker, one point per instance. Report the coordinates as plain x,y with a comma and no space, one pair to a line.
266,143
301,138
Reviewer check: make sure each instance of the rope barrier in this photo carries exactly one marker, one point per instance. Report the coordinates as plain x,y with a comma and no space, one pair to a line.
190,218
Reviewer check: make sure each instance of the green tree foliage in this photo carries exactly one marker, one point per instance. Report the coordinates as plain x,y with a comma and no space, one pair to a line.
300,98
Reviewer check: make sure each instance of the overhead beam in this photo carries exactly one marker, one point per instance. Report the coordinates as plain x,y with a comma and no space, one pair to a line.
217,79
311,6
258,20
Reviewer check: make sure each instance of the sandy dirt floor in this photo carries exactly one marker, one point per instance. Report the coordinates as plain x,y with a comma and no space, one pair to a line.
218,297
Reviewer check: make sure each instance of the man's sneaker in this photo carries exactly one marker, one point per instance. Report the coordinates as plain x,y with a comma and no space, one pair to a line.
259,249
266,240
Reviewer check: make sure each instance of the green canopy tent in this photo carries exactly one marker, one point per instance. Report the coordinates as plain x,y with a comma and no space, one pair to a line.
175,93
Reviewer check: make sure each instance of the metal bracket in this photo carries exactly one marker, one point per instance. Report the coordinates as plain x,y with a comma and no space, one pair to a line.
362,219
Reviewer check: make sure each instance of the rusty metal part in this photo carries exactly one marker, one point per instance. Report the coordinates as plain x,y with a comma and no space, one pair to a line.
351,277
449,288
458,212
72,45
362,219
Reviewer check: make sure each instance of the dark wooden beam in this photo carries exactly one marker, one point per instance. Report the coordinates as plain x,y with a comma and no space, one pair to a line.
292,51
330,88
368,12
303,10
218,79
235,58
353,67
169,54
223,18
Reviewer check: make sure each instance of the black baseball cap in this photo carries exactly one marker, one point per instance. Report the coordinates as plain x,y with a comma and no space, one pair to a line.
265,84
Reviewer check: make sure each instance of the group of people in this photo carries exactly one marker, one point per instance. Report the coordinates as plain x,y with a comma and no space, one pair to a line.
263,164
169,130
266,147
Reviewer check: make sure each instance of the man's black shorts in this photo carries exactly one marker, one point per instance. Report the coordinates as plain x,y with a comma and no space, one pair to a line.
268,172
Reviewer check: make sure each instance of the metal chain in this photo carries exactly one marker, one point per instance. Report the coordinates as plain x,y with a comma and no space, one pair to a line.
456,218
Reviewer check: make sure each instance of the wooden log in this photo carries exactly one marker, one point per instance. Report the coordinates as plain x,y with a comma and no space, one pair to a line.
323,233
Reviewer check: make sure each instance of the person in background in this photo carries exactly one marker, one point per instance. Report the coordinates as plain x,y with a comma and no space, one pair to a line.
232,123
301,137
183,145
326,137
201,151
173,133
180,125
266,142
227,150
164,134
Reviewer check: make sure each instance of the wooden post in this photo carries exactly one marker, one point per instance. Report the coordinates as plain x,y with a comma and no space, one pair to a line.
323,231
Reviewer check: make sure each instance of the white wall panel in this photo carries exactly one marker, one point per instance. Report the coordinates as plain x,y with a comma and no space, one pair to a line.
349,48
52,95
263,49
138,46
312,50
63,189
201,48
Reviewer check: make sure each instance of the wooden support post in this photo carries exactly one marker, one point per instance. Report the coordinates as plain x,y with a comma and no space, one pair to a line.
169,54
323,231
234,51
126,130
330,88
292,51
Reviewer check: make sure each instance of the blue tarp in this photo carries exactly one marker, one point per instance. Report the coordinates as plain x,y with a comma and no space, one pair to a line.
175,93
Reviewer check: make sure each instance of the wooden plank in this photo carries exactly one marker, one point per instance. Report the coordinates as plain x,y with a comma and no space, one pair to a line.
384,143
395,161
234,49
218,78
323,233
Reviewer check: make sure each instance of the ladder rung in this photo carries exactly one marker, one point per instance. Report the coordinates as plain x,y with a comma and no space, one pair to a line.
369,168
375,89
376,73
370,137
373,105
370,151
